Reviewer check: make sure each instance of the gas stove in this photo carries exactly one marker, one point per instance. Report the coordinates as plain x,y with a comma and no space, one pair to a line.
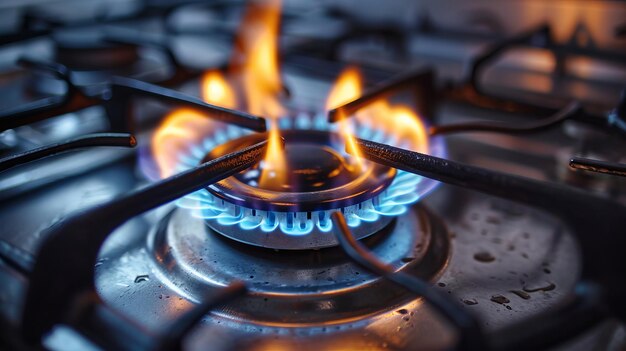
315,176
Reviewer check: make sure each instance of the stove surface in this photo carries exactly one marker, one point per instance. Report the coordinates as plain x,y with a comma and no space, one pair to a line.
497,258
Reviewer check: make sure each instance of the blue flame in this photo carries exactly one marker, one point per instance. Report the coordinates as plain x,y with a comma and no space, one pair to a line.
405,189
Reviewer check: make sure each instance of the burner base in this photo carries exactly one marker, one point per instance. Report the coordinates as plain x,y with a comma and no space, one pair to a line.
316,286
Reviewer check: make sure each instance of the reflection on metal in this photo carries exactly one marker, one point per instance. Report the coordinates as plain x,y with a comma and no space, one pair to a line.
605,167
470,335
318,287
74,271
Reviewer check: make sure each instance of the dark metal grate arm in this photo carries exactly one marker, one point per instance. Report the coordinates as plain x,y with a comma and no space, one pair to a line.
568,112
59,276
597,222
470,335
605,167
85,141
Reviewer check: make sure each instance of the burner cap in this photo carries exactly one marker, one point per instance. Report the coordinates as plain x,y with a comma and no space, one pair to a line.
321,181
321,178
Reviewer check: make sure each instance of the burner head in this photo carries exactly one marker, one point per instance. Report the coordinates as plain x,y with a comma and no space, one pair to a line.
320,177
295,215
321,181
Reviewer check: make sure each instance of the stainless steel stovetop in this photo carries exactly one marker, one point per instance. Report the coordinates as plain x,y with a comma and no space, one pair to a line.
502,261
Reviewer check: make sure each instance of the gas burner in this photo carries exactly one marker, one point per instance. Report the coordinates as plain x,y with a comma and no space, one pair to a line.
322,181
296,215
504,256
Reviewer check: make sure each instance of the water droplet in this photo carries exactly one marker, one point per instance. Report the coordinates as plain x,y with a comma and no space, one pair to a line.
548,287
500,299
524,295
470,302
142,278
484,256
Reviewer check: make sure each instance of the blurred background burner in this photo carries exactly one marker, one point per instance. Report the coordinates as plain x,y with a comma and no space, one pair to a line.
88,50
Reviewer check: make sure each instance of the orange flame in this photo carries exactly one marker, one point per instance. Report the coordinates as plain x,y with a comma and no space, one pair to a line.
256,63
347,87
255,58
399,121
255,69
180,129
408,125
184,127
217,91
274,170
